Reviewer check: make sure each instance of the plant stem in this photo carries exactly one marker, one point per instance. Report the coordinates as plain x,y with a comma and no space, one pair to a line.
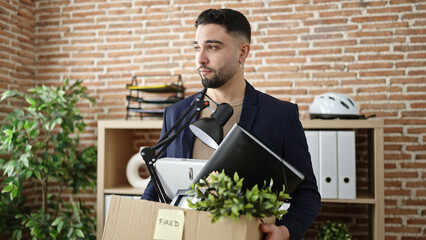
58,201
44,183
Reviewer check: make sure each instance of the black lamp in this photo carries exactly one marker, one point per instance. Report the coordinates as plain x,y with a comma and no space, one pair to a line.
210,130
214,125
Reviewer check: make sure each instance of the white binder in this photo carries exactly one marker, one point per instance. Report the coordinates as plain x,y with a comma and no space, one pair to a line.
328,163
312,138
346,172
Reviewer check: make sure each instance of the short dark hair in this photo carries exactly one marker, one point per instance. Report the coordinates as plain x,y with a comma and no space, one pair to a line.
233,21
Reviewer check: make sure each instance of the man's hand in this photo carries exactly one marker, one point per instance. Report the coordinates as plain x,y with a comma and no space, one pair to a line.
274,232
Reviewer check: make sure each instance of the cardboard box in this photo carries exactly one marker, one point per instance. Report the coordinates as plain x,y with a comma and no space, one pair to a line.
137,219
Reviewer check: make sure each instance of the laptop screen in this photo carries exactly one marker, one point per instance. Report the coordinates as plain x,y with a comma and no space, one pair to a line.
177,173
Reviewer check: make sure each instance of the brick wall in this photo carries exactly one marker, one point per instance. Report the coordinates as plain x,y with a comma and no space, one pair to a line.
373,51
17,49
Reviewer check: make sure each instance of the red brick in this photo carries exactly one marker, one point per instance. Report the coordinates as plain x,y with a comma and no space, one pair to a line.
277,39
316,83
390,9
410,31
393,220
359,4
414,202
367,49
400,139
375,18
413,114
320,51
399,157
413,15
288,2
417,148
416,55
324,21
88,14
115,5
385,25
382,41
299,16
279,69
272,10
420,185
335,43
345,13
370,66
78,8
397,192
321,36
296,31
275,53
385,34
406,121
381,73
400,211
417,221
343,28
334,75
333,59
403,229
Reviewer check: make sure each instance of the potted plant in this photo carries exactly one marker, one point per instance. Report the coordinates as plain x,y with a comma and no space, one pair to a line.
40,146
333,230
224,196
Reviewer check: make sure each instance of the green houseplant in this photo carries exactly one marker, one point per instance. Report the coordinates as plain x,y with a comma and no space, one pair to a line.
333,230
224,196
40,146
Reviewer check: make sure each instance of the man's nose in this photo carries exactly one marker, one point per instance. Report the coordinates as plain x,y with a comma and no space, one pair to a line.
202,58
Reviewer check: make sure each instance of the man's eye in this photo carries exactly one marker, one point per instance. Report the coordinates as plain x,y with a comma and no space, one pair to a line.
213,47
196,48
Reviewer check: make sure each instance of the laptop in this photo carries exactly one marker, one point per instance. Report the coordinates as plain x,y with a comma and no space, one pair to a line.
177,173
247,155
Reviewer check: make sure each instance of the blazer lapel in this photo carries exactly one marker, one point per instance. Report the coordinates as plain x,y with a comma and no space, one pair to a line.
250,108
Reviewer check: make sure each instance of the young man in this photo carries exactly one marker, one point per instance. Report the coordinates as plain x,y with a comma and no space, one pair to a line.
222,44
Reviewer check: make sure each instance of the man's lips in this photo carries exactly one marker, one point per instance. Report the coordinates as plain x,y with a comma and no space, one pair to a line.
204,71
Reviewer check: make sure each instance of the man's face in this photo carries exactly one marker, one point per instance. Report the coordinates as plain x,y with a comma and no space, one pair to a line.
216,55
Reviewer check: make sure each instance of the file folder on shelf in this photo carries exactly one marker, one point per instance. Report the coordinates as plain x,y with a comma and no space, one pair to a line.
312,139
346,165
328,164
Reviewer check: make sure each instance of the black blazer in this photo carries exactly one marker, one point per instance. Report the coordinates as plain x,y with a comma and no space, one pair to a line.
276,123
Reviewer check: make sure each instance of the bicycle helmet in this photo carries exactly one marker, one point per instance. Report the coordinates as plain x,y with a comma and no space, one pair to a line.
333,105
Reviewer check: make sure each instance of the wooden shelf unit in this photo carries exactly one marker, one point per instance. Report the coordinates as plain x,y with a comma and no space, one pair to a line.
116,146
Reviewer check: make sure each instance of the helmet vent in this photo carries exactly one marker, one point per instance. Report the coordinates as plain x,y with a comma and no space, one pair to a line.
344,104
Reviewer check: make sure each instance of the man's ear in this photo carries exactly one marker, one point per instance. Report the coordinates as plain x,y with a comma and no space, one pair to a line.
244,52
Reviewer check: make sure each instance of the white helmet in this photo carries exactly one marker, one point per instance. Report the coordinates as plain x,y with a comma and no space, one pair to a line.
333,105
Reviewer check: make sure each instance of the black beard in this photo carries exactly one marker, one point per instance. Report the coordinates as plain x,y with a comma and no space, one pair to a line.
215,82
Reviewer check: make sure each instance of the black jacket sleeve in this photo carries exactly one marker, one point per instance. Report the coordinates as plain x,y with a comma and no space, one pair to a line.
306,201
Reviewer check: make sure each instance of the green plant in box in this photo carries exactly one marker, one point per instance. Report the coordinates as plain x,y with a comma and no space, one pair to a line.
224,196
333,231
40,144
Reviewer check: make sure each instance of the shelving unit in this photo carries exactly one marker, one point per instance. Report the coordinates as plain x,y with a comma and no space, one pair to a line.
116,145
135,96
